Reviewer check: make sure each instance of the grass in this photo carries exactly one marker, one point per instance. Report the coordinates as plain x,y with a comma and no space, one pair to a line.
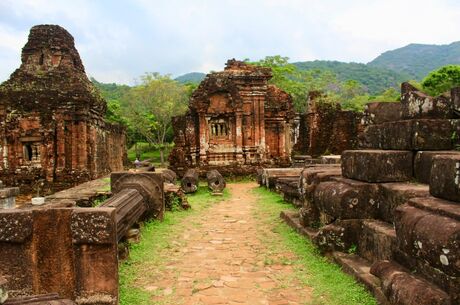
149,152
148,257
330,284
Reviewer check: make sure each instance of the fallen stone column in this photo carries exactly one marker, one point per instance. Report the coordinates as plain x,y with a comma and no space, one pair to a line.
169,176
129,207
190,181
216,182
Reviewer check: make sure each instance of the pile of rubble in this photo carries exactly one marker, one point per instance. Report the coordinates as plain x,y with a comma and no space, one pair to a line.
390,214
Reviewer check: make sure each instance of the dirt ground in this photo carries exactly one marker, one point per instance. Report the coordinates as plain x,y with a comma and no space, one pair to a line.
223,259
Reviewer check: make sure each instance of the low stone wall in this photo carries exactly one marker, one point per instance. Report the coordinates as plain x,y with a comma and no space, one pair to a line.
73,251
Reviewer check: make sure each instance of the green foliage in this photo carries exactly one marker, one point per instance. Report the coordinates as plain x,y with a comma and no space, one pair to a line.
417,60
442,80
353,248
150,106
149,151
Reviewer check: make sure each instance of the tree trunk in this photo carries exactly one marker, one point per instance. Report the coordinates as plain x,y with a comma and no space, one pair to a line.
162,157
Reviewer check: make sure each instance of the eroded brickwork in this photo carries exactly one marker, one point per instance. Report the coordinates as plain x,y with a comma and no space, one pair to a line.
326,128
51,116
235,118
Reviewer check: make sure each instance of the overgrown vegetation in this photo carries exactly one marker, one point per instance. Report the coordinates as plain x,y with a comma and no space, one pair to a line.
148,151
330,285
158,238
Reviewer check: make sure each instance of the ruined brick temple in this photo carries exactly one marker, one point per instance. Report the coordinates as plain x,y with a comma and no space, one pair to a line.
52,118
235,118
325,128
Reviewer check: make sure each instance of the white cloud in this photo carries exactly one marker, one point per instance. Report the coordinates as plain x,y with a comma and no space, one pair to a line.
119,41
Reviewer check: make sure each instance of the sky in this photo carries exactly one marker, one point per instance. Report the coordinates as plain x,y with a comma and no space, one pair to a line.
121,40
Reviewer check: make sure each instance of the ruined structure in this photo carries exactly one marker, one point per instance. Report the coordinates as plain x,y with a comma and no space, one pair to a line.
390,214
62,248
235,119
52,118
325,128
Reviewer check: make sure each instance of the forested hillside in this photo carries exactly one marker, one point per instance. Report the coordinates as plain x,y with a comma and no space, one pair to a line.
417,60
374,79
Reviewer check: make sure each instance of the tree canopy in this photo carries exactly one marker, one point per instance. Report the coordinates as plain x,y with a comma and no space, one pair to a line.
442,80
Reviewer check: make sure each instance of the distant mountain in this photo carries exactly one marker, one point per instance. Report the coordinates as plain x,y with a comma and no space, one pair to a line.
417,60
192,77
375,79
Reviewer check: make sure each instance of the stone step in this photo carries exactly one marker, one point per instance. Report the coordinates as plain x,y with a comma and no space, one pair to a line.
341,235
377,165
311,177
424,160
395,194
377,240
437,206
416,134
427,237
445,177
403,288
292,219
360,268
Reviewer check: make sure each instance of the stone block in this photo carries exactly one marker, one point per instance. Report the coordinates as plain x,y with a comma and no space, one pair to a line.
393,195
338,236
377,240
418,105
423,162
346,199
403,288
15,225
377,165
93,226
429,237
420,134
371,137
445,177
381,112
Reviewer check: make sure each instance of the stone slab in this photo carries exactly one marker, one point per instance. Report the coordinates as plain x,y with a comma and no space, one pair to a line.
445,177
424,160
395,194
377,165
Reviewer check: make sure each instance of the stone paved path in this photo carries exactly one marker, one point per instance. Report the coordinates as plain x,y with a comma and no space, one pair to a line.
223,259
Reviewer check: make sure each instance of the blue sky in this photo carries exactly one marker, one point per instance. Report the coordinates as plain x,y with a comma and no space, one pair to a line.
120,40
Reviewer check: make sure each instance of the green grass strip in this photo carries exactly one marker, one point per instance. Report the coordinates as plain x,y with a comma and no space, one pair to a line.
330,284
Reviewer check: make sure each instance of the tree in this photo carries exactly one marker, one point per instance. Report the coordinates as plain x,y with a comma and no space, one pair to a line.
151,105
298,83
442,80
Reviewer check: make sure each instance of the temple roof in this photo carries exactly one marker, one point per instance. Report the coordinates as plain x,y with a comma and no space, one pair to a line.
51,75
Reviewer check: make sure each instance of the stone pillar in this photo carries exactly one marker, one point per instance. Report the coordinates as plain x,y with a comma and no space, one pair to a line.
239,136
8,196
204,138
261,126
